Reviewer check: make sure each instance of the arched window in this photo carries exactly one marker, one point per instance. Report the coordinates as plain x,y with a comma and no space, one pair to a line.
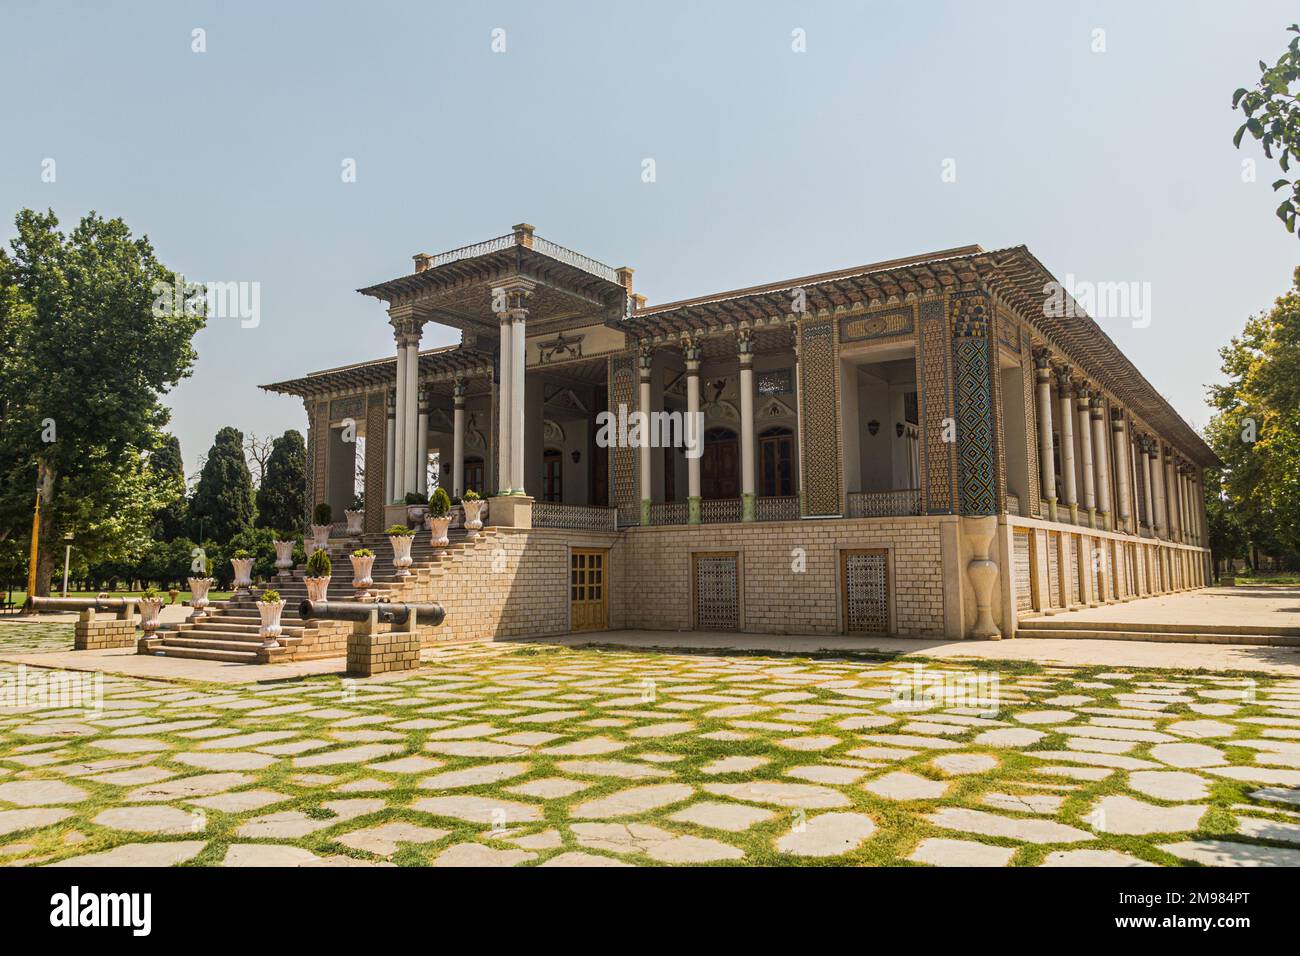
776,462
552,475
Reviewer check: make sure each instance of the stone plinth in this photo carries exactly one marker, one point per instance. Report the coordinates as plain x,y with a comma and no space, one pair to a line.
371,651
93,633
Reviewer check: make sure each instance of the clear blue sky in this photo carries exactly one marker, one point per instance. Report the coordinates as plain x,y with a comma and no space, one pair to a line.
770,164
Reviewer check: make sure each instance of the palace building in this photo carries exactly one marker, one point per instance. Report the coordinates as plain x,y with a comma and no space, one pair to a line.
913,447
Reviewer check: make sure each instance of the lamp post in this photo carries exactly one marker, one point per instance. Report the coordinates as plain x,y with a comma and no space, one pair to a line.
67,558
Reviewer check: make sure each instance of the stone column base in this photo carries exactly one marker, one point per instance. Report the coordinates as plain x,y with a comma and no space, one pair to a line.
511,511
371,652
92,634
693,510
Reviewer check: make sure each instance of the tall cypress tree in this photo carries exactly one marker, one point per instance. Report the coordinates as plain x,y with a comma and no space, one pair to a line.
167,470
223,501
282,499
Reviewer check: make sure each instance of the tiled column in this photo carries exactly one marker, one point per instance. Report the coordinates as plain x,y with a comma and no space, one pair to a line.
1123,495
505,395
1046,458
422,444
1101,458
390,449
1069,487
692,355
646,365
458,440
1085,451
745,345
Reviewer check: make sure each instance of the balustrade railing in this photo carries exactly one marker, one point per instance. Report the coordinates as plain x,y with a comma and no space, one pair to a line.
669,512
550,514
720,510
777,508
884,504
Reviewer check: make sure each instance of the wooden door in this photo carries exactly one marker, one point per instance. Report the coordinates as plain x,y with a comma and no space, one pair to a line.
588,590
720,466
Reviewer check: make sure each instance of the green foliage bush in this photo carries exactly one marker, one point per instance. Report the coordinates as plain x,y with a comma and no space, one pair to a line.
322,513
415,498
318,565
440,503
399,529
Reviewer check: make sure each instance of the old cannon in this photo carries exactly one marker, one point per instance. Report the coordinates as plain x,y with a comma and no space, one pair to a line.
115,605
430,615
90,634
370,649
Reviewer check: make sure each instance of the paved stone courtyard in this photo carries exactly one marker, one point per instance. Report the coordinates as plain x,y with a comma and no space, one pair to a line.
505,755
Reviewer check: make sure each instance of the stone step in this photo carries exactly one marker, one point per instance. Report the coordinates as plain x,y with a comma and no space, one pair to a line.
208,654
1049,624
219,645
219,636
1087,632
237,627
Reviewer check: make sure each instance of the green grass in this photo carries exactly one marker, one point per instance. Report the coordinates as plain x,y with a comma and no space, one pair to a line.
20,596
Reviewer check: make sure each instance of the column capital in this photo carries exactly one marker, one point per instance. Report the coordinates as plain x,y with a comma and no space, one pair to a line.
1117,418
745,346
1095,402
391,402
510,298
645,358
1042,359
422,401
1064,380
458,391
692,353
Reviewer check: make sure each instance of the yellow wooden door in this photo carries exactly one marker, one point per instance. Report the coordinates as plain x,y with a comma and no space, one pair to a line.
588,590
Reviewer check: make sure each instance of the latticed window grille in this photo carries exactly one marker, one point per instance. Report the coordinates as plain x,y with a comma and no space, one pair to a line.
866,592
717,597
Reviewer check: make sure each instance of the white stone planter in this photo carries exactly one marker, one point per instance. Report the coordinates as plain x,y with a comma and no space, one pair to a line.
270,627
415,514
150,609
243,573
320,538
316,587
401,552
354,521
199,592
284,554
474,513
361,567
438,529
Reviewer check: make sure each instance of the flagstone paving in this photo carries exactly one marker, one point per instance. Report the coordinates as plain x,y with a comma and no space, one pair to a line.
514,755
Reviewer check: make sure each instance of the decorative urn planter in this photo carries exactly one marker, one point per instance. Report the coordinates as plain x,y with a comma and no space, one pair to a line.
354,522
438,528
401,553
415,514
320,537
199,592
361,566
269,630
316,587
284,554
243,573
150,609
474,512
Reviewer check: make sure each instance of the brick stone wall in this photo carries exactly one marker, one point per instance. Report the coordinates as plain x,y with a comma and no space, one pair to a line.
382,651
96,632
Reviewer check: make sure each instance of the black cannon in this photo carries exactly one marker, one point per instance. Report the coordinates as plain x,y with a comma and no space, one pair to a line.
427,614
117,605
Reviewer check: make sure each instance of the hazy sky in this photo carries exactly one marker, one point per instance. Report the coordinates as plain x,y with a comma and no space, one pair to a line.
1111,166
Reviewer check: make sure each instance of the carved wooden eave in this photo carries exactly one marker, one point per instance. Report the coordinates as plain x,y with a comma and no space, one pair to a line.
440,366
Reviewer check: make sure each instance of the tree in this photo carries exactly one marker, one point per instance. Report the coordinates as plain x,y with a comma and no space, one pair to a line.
1273,117
223,500
282,497
257,450
87,346
168,472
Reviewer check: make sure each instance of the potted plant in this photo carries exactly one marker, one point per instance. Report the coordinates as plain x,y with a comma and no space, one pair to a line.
172,595
417,505
242,561
150,609
318,575
283,552
475,507
400,537
270,606
355,516
322,522
438,517
363,560
199,590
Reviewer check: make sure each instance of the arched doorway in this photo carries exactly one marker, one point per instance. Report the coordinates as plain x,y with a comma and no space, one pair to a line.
720,464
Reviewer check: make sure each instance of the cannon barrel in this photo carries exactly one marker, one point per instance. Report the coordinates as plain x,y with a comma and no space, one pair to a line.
388,613
37,603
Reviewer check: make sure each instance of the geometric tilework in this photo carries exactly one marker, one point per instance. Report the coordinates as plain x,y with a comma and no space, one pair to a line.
376,458
1031,425
623,470
976,421
819,370
934,362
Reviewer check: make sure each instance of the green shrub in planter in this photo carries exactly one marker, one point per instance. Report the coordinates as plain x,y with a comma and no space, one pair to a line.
149,594
322,514
440,503
470,495
318,565
241,553
363,553
415,498
270,596
400,529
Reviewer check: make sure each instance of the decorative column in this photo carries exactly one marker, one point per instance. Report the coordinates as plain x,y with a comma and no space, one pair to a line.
1069,484
399,433
411,445
1046,459
1124,504
1148,492
518,355
646,365
505,395
745,345
422,444
390,449
695,428
1158,487
1101,458
458,440
1085,451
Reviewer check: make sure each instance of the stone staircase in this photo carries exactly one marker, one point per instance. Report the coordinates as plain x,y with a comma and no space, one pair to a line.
1064,627
228,630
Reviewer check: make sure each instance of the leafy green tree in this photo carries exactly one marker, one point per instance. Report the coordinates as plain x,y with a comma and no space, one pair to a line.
86,350
1272,111
282,498
223,500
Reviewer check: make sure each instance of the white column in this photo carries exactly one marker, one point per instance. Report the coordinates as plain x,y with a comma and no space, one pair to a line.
643,451
422,446
1046,458
1069,486
1158,489
1122,471
399,433
458,441
1085,451
505,395
412,443
390,450
747,451
692,353
1148,492
1101,458
518,353
1175,500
